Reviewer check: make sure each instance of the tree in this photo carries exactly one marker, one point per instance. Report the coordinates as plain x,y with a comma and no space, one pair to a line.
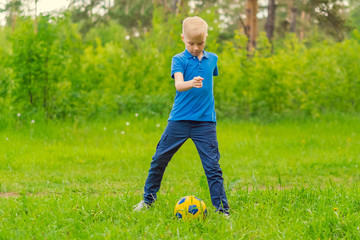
183,8
174,5
132,14
270,22
251,23
13,9
304,22
291,15
38,61
329,15
88,13
355,15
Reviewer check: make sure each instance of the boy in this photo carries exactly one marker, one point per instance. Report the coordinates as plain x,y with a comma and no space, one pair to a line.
192,116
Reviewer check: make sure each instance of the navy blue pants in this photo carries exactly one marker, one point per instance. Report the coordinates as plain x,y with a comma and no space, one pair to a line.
203,135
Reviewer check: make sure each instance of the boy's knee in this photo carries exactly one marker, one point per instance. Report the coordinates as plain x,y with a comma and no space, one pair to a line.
213,173
209,152
159,162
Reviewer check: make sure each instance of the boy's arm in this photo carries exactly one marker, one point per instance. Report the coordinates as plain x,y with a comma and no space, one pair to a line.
182,86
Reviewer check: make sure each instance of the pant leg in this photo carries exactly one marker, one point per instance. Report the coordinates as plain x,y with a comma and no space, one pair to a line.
175,134
204,137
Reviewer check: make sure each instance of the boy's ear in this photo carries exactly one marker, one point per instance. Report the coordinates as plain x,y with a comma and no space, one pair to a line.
182,37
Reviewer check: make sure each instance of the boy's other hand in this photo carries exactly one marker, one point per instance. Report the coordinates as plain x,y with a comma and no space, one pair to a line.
197,82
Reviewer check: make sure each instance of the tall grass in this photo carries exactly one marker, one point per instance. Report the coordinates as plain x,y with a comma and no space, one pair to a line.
284,179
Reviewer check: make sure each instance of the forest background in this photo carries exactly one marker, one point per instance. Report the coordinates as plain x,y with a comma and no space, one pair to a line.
104,58
84,97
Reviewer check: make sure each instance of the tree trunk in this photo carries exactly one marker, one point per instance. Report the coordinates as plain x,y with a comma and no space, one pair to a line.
304,21
13,22
46,82
183,8
164,3
251,23
29,88
292,10
270,22
14,12
302,25
126,8
174,5
36,19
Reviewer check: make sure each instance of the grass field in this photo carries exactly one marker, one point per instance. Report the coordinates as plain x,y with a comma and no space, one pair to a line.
285,179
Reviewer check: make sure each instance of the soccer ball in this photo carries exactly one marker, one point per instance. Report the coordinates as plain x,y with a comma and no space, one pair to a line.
190,207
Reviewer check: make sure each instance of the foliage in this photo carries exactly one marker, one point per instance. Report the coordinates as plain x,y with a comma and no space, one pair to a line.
50,69
5,70
132,14
106,32
328,16
355,17
296,79
41,56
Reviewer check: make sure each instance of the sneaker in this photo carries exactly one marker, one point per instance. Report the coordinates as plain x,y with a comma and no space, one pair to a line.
224,213
141,206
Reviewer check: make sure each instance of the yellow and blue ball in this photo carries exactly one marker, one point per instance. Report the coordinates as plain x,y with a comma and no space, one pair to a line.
190,207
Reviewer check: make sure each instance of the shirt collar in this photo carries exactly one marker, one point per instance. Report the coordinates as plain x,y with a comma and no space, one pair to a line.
188,55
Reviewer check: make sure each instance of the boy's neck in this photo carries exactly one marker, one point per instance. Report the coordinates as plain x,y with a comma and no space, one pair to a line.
200,56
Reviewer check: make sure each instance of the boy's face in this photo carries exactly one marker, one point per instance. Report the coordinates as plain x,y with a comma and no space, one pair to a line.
194,46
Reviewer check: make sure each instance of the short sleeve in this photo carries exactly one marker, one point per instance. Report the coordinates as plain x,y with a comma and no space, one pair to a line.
216,71
177,65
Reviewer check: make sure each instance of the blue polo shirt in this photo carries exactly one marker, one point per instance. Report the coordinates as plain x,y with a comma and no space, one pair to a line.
195,104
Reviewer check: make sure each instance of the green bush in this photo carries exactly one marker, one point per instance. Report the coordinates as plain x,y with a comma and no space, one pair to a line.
42,54
296,79
48,68
5,70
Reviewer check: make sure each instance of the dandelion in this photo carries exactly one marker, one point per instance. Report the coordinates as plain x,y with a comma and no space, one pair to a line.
7,139
122,132
104,128
32,121
127,123
303,141
335,209
136,114
158,125
208,11
19,114
127,37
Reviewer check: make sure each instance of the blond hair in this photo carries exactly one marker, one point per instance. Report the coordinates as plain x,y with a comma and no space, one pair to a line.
194,28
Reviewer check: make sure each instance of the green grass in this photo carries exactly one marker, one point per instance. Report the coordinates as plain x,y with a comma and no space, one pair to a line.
286,179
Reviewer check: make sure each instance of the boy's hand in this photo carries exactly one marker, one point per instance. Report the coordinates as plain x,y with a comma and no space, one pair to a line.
197,82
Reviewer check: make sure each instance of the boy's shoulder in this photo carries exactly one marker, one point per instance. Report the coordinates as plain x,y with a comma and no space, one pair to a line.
183,54
211,54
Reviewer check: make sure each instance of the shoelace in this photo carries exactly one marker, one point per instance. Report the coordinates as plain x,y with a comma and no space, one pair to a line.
139,204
